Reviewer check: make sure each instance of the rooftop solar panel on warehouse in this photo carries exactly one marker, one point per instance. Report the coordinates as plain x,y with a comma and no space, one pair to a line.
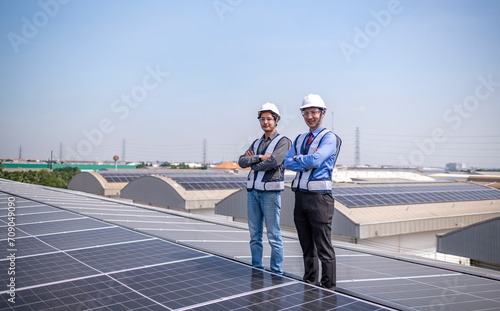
211,183
189,181
393,195
214,182
121,176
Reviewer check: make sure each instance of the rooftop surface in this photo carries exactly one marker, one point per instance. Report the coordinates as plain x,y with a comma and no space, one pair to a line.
82,251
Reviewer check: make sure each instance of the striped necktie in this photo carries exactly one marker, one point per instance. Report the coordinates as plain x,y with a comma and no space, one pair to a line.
308,143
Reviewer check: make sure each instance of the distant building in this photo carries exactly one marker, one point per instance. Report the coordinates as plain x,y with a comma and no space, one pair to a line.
453,167
193,164
228,167
488,180
10,160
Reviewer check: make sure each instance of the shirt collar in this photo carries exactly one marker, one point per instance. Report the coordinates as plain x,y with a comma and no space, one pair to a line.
270,137
316,131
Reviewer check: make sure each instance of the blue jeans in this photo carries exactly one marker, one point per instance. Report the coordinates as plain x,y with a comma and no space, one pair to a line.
265,206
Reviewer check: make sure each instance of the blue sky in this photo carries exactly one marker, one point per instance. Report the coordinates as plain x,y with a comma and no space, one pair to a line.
421,79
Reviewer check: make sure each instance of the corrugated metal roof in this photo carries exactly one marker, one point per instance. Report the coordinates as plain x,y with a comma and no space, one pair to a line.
402,219
388,213
478,241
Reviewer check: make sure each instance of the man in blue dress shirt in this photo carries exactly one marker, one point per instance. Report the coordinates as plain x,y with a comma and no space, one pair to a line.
313,156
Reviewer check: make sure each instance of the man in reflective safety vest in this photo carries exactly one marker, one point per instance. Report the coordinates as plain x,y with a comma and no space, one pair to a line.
265,182
313,156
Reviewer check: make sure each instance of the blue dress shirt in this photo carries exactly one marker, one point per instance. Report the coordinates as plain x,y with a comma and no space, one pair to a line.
322,160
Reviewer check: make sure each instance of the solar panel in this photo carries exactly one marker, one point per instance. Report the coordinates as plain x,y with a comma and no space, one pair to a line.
121,176
285,297
96,266
113,177
27,246
28,209
43,269
393,195
124,256
211,182
91,293
45,216
62,226
87,238
196,281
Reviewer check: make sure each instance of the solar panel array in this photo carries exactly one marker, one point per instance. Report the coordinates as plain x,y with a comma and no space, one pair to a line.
128,176
122,177
412,194
189,181
391,281
204,182
209,182
68,261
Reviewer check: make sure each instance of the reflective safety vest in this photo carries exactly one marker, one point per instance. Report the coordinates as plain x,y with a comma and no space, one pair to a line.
305,180
256,178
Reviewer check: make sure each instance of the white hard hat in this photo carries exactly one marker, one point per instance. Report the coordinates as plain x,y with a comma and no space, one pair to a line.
313,100
269,107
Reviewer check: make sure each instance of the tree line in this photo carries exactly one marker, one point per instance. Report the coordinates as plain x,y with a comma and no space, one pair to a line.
58,178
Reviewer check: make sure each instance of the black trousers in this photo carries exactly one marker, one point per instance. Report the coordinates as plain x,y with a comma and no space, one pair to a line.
313,215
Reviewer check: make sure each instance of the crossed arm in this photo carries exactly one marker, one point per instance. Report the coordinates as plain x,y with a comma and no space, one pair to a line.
266,161
302,162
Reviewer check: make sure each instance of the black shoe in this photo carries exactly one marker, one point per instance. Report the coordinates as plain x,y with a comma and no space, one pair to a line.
330,288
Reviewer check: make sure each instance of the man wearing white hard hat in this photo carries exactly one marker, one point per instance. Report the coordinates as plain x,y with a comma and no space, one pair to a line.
313,156
265,157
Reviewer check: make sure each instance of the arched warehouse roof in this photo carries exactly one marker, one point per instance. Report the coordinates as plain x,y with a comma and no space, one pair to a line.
94,182
110,183
184,193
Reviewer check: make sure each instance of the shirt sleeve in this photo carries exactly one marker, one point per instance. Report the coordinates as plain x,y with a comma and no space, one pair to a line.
245,161
290,163
326,149
276,158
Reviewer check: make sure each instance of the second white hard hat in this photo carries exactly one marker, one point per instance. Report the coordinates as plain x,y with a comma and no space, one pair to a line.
313,101
269,107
